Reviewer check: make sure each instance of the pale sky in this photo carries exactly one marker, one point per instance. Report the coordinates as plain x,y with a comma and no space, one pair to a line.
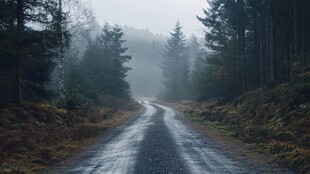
159,16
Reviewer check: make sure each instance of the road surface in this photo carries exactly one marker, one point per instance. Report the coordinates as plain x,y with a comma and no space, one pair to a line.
157,141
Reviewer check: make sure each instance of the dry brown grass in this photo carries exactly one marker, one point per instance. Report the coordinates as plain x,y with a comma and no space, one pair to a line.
36,135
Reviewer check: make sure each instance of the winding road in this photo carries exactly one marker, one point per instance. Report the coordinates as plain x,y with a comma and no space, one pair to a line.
157,141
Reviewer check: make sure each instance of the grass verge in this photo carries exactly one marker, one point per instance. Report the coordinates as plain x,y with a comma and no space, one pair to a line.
35,135
276,121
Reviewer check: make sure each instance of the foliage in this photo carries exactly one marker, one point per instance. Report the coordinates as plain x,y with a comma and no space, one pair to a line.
276,120
303,89
176,66
101,71
252,43
26,52
35,135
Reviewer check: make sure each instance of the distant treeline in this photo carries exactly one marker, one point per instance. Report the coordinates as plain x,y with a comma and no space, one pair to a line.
145,78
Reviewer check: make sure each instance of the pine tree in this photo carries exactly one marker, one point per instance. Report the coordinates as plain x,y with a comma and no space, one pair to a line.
221,41
102,71
175,65
255,43
194,50
25,49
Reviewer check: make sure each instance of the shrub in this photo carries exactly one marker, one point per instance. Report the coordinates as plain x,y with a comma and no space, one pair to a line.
302,89
285,136
113,103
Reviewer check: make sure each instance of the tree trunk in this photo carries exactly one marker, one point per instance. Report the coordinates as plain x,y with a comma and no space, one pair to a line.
295,36
267,60
234,63
256,42
17,68
61,74
303,39
261,47
271,49
291,42
242,39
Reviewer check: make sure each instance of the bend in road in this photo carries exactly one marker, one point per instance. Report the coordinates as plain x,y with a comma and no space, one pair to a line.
158,142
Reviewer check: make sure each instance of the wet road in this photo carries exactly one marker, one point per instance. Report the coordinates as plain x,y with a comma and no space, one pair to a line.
157,142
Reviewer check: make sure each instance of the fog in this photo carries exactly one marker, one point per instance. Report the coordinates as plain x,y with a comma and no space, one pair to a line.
159,16
145,76
147,26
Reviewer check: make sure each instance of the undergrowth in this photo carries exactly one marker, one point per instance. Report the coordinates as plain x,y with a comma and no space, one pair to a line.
35,135
277,120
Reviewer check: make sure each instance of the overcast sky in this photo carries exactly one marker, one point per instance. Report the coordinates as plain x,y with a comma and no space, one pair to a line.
159,16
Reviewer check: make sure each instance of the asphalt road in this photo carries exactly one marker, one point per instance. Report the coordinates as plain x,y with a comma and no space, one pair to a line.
157,141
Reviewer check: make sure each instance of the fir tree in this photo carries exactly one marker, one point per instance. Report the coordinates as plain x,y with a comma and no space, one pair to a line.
25,51
102,71
175,65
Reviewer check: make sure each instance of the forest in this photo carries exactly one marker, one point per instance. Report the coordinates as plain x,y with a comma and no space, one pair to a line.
248,45
42,55
65,72
260,43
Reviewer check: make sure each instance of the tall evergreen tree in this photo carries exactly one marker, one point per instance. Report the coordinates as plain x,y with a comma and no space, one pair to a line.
102,71
194,50
253,43
175,65
222,68
25,49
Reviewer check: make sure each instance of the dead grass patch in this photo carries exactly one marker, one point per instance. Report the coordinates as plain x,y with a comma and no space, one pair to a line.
35,136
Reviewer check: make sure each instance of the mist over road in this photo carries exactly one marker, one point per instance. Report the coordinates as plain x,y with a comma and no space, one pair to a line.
157,141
